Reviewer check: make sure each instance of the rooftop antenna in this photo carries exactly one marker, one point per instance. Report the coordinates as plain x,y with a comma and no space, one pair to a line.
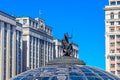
40,12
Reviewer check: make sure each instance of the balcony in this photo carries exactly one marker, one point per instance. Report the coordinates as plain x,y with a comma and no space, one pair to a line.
113,40
112,62
111,33
112,48
112,69
113,7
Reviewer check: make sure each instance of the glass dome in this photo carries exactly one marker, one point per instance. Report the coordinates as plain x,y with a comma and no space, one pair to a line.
66,68
65,72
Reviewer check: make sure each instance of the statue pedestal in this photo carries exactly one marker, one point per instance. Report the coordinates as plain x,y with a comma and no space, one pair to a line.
66,60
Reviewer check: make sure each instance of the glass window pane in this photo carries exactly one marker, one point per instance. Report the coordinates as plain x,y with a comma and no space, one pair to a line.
113,3
118,2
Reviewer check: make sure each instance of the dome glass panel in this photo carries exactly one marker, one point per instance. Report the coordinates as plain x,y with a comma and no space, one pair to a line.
66,72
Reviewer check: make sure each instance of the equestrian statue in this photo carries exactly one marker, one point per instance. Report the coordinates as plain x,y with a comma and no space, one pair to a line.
66,45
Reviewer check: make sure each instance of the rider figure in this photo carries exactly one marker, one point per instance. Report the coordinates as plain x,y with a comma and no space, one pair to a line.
67,47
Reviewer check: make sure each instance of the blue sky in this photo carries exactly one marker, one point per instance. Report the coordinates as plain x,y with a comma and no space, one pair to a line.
83,18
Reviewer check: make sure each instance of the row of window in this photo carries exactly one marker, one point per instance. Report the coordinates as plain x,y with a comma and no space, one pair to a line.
118,72
36,25
115,3
112,23
113,65
113,44
113,50
38,46
113,30
112,58
112,37
112,15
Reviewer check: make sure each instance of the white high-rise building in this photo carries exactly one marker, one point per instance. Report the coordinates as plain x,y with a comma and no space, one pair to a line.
58,51
112,36
10,46
37,42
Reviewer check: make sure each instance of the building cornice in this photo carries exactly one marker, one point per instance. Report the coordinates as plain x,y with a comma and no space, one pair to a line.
7,15
109,8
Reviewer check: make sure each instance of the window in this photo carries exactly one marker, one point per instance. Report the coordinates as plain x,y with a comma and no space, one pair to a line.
112,15
118,43
37,25
112,44
118,57
112,37
112,58
119,30
41,26
111,23
119,65
112,3
30,22
118,15
118,36
118,22
112,65
17,20
33,24
24,21
118,50
118,73
112,51
111,30
118,2
113,72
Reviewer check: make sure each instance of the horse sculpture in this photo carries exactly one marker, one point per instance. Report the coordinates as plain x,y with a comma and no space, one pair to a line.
67,47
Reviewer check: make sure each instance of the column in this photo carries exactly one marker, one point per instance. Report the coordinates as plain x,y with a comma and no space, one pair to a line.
52,51
31,55
47,52
34,64
38,52
2,52
8,53
44,53
14,53
28,52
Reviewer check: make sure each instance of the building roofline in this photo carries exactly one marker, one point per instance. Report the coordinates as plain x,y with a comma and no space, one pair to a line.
7,15
30,18
25,17
49,26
